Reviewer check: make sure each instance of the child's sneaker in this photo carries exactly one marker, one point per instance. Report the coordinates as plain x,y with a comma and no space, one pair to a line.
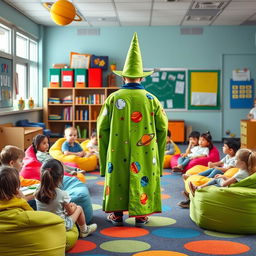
74,173
141,221
90,229
116,220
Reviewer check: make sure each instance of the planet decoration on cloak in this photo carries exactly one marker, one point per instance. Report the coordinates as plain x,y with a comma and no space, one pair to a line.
143,198
135,167
110,167
146,139
136,116
144,181
107,191
150,97
120,104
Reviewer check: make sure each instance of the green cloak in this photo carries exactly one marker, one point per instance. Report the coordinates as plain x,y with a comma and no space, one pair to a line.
132,129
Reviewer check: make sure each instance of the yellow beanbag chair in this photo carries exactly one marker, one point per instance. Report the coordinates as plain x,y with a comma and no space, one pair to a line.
84,163
167,158
199,180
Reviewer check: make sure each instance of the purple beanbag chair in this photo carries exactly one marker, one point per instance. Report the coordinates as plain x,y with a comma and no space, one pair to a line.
213,156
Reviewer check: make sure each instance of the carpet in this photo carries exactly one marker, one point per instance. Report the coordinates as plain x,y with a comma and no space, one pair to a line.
171,233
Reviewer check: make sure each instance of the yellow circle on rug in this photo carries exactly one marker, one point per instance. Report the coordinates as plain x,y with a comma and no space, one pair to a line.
125,246
154,221
159,253
216,247
91,177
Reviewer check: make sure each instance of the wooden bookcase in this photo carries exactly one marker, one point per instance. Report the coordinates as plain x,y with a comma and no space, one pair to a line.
93,107
248,134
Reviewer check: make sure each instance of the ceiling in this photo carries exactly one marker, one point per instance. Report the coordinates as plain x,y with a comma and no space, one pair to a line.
97,13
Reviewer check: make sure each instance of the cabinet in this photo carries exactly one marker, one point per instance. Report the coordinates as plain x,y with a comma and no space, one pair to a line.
177,128
78,107
20,137
248,134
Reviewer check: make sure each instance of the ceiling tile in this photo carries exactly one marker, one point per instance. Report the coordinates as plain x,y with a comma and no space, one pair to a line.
98,13
133,13
104,24
135,23
171,6
245,5
95,6
138,19
162,13
132,6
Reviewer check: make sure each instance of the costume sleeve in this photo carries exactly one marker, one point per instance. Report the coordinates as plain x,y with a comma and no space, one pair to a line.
103,128
161,123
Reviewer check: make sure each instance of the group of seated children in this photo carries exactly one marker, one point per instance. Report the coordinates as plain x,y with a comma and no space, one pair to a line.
49,197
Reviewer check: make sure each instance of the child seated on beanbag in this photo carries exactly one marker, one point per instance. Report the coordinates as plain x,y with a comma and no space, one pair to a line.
92,145
41,146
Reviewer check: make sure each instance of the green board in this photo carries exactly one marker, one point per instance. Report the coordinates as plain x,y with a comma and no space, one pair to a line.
169,86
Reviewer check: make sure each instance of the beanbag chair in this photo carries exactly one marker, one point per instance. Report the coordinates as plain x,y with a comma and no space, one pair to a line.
84,163
213,156
31,167
226,209
79,194
167,158
199,180
26,232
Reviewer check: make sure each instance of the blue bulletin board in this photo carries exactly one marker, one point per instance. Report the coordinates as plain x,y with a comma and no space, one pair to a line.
241,93
6,84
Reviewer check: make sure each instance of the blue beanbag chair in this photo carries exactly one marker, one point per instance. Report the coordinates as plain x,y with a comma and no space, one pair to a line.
79,194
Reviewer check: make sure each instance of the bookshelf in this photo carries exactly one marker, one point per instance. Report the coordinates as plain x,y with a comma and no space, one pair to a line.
78,107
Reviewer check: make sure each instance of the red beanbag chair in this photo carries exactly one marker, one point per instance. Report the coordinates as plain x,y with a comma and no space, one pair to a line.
213,156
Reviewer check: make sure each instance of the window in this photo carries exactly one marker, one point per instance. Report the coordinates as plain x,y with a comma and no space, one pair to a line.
5,39
24,56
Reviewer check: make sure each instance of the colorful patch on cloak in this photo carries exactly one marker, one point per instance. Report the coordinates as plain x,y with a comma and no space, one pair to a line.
143,198
144,181
135,167
150,97
136,116
145,139
120,104
110,167
107,191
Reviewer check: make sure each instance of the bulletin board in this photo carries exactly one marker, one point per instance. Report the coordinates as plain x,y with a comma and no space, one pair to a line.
241,94
169,86
6,84
204,89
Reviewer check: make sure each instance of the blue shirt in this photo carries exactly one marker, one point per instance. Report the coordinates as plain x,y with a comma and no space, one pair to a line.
67,147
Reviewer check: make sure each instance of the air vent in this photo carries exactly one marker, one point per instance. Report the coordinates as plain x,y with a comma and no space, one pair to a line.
191,31
208,5
199,18
88,32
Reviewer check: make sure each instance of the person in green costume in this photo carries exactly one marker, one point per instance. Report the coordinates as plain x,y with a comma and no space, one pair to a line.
132,130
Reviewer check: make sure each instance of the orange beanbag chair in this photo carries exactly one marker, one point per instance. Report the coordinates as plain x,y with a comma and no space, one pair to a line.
84,163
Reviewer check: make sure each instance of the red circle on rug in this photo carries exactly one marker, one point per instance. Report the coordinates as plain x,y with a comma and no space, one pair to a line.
124,232
165,196
217,247
83,246
101,183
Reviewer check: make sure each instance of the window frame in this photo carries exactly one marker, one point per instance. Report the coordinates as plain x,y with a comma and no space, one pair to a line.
14,32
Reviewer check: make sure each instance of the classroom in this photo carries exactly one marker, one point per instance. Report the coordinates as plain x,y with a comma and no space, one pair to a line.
56,76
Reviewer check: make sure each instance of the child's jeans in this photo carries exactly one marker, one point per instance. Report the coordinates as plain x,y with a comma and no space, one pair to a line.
210,173
216,182
183,161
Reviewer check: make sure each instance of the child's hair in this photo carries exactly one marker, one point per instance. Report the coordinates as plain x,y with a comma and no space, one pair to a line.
232,143
249,157
9,182
37,140
51,176
194,134
169,134
207,135
70,128
10,153
94,134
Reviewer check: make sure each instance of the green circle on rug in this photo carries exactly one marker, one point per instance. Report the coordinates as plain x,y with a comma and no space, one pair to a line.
218,234
91,177
154,221
96,207
125,246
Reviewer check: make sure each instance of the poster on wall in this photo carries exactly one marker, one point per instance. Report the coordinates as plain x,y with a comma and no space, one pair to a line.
6,85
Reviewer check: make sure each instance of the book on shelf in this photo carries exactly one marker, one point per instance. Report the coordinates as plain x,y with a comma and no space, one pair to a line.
67,100
53,100
81,114
81,132
68,113
54,117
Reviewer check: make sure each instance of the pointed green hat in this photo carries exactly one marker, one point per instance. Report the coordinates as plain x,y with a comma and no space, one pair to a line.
133,64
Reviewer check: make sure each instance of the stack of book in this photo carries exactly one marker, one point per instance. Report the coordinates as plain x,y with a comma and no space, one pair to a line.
53,100
67,100
54,117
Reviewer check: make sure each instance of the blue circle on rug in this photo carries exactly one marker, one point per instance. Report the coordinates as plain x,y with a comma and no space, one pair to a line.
176,232
166,208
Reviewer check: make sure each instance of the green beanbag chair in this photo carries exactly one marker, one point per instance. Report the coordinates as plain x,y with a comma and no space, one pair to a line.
226,209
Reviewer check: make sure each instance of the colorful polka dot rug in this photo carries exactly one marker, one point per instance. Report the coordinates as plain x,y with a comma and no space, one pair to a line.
171,233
